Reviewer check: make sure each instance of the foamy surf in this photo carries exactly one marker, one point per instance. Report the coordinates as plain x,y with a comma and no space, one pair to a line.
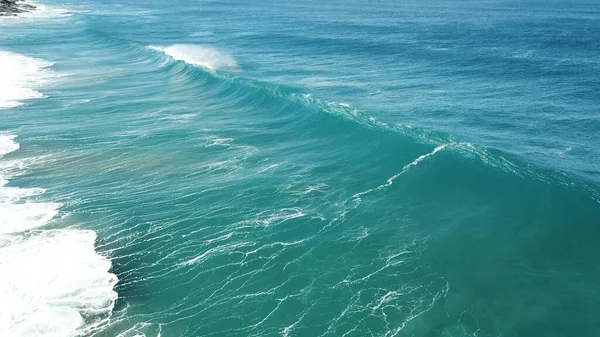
203,56
21,76
54,283
38,12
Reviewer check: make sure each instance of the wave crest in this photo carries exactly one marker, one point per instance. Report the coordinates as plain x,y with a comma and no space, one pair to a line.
203,56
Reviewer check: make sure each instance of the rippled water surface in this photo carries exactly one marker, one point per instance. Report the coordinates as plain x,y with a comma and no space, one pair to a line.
224,168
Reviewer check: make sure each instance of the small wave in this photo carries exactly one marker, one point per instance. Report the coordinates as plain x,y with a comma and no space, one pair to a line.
53,282
7,144
21,75
202,34
203,56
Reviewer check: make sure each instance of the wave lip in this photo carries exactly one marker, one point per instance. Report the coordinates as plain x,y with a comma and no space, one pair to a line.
21,75
198,55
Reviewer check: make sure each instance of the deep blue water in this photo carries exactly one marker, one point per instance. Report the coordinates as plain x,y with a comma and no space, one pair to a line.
324,168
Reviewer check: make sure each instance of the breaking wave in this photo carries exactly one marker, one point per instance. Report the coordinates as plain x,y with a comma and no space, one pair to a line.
202,56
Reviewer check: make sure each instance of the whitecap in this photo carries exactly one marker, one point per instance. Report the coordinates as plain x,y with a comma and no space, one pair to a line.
54,284
21,76
203,56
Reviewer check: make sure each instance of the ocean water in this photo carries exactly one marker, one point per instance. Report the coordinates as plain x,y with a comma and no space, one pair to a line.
284,168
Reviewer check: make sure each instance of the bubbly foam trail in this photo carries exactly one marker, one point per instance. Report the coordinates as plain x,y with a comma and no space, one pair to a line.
407,167
202,56
53,283
21,75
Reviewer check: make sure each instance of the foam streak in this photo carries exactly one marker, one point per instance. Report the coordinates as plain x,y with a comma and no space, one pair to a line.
407,167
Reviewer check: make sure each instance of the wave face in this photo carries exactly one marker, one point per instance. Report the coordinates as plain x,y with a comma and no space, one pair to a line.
410,169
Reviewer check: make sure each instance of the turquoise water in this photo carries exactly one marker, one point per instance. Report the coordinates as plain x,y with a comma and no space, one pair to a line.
224,168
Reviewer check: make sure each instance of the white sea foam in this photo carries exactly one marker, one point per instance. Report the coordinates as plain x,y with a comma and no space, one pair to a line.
407,167
20,77
202,56
53,283
7,144
21,217
40,12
